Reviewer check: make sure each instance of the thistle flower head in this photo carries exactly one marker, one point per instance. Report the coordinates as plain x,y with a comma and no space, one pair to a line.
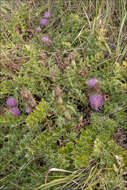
92,82
28,109
11,102
38,29
15,111
47,40
47,15
44,22
96,101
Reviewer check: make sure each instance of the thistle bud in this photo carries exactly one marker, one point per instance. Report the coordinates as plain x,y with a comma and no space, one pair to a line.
47,41
84,71
44,58
38,29
60,100
52,71
25,94
58,91
32,102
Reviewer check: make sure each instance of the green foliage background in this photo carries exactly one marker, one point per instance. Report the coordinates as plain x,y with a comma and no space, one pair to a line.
64,134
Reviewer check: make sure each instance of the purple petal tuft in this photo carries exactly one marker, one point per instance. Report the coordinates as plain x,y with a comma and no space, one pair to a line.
44,22
38,29
92,82
47,40
96,101
28,109
11,102
15,111
47,15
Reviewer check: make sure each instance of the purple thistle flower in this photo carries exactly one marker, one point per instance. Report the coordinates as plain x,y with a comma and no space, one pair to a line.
92,82
11,102
44,22
47,15
28,109
15,111
96,101
47,40
38,29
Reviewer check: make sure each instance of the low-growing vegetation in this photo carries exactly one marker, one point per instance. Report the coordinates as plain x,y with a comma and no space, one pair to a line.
63,94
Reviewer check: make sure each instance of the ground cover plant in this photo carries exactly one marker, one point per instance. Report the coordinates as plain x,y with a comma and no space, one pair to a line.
63,95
